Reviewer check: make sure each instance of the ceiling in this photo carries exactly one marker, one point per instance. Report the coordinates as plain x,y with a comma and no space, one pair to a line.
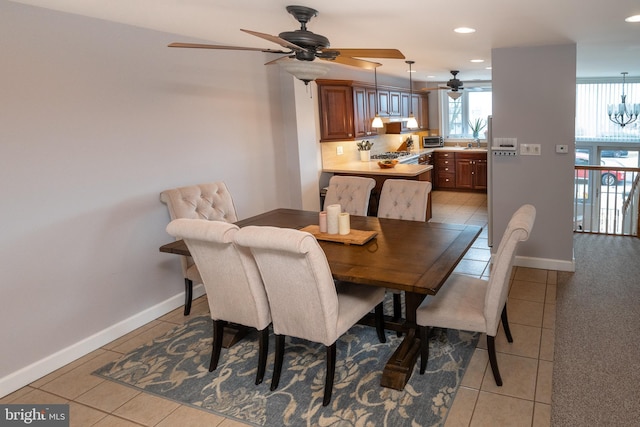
421,29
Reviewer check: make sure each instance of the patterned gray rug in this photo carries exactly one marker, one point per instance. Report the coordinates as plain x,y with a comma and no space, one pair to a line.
175,366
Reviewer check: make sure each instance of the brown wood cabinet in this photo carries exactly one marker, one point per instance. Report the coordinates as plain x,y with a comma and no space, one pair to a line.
461,171
347,109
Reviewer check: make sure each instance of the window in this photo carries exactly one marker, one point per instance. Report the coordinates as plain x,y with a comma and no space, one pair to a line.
592,99
475,103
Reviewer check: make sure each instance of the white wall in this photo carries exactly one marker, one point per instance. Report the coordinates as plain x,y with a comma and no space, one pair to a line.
534,101
96,120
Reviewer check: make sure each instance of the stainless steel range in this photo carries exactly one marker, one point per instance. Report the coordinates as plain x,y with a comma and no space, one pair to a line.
406,157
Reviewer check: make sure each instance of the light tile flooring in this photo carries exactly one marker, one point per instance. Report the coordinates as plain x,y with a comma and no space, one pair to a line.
526,364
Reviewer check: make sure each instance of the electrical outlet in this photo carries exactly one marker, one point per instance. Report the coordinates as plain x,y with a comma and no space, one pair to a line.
530,149
339,150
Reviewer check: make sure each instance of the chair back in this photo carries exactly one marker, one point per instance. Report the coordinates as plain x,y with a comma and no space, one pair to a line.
404,199
517,231
210,201
230,275
350,192
301,291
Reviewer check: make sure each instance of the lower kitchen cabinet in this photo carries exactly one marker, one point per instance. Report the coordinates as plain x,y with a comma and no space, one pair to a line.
461,171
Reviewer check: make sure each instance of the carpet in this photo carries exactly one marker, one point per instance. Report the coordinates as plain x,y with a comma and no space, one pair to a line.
175,366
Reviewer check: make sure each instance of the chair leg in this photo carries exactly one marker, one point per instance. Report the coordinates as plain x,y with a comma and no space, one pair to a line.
331,371
263,349
188,295
380,323
424,347
218,332
277,364
491,346
397,309
505,324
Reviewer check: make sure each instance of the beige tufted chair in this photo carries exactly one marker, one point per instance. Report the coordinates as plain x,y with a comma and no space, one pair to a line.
403,199
234,287
473,304
204,201
305,301
350,192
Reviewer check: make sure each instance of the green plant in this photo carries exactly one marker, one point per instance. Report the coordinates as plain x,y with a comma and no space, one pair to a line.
477,126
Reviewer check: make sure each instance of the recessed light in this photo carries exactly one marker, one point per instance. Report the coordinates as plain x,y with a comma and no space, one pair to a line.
634,18
477,60
465,30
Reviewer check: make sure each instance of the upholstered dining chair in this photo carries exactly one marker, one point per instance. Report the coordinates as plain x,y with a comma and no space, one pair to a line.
350,192
403,199
235,291
305,301
210,201
477,305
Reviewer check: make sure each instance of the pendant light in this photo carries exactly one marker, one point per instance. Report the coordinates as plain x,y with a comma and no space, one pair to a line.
412,123
377,121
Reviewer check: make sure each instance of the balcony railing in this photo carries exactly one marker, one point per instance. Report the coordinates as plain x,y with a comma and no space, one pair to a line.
606,200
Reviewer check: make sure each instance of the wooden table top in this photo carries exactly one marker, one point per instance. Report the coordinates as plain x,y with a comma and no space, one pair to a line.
407,255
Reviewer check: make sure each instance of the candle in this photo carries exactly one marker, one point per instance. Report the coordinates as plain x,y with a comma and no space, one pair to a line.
333,211
344,226
323,221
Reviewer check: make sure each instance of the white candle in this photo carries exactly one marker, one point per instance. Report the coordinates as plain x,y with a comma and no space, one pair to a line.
344,226
322,220
333,211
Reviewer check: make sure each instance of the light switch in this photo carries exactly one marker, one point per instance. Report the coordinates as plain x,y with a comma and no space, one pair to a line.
530,149
339,150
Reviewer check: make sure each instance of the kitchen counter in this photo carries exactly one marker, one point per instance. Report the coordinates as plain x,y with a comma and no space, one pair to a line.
372,168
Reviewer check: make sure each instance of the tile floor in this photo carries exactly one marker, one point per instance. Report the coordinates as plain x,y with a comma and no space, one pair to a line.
526,365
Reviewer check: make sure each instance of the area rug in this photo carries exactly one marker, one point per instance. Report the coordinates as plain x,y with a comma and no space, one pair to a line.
175,366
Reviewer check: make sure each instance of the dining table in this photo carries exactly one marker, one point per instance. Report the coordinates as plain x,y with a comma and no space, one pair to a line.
410,256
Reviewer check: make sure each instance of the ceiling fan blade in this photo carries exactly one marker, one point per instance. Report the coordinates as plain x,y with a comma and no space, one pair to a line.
371,53
214,46
353,62
275,39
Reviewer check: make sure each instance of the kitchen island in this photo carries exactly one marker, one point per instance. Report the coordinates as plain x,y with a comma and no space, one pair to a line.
372,170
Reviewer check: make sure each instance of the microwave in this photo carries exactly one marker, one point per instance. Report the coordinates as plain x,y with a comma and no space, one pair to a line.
432,141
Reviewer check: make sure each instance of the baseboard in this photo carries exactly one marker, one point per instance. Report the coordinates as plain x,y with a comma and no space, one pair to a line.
45,366
545,263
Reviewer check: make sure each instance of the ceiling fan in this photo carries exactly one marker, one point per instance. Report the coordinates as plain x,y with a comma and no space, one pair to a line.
454,84
304,46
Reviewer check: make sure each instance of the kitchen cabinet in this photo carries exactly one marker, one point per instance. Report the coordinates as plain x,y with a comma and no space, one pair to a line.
460,171
471,171
347,109
445,166
337,112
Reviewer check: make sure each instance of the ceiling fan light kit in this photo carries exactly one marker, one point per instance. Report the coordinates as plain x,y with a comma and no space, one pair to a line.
377,120
304,47
623,113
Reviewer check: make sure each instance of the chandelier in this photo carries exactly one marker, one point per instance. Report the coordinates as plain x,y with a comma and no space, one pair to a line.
623,113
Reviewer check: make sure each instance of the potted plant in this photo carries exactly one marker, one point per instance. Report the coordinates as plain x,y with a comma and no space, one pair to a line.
476,127
364,147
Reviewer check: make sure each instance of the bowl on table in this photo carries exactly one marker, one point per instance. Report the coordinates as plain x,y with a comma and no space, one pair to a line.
387,164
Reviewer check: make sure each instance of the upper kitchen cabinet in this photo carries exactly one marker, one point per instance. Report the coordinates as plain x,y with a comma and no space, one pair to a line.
336,112
347,109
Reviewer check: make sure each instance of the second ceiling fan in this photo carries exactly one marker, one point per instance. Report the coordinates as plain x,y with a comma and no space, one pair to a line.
304,45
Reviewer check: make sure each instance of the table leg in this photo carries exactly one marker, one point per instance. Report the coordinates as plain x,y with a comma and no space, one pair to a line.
399,368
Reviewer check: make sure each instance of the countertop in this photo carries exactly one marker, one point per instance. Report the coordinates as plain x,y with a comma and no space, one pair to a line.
372,168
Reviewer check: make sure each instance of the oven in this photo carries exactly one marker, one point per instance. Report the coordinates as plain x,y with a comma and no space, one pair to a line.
432,141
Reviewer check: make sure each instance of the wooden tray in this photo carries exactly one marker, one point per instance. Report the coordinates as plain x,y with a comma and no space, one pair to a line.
355,237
